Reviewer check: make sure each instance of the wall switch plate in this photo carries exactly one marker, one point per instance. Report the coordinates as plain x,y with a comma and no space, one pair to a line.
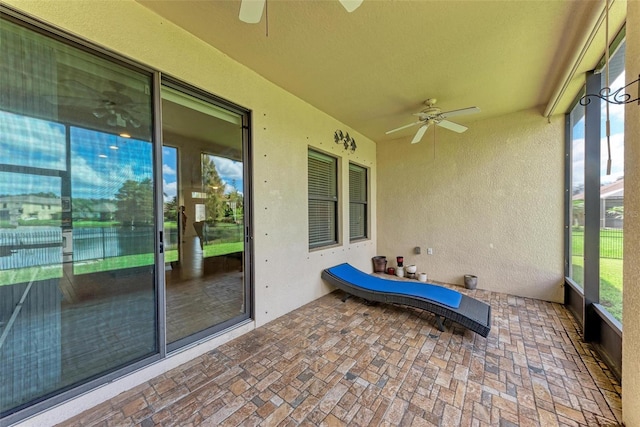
430,251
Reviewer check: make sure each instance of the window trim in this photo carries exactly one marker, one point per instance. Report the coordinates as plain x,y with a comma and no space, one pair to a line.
322,198
365,202
597,323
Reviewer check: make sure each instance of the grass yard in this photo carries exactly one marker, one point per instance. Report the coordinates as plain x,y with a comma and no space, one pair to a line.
140,260
611,256
611,243
25,275
610,283
9,277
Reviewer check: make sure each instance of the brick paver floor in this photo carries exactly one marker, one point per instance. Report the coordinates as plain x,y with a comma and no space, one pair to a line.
331,363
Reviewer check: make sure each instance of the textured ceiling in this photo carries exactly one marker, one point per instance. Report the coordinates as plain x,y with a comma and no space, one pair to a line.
373,68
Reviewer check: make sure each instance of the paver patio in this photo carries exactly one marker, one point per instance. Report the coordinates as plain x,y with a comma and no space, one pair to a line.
331,363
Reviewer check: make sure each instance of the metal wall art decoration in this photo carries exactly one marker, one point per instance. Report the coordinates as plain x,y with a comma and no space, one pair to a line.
619,97
346,140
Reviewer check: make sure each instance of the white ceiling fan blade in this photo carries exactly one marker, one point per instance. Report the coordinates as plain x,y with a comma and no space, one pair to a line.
251,11
418,136
470,110
351,5
402,127
452,126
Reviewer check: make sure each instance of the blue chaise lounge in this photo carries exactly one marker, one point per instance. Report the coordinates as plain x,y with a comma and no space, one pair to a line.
443,302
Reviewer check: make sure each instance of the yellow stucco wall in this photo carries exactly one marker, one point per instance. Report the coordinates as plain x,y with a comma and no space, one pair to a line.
488,201
287,274
631,301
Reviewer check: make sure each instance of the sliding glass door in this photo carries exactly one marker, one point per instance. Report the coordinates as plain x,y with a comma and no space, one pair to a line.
78,297
96,280
203,186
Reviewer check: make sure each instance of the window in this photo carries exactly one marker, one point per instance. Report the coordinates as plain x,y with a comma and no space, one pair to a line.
596,181
576,248
357,202
323,200
612,192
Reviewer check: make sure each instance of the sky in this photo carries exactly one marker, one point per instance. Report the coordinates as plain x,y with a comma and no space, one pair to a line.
616,117
230,171
100,162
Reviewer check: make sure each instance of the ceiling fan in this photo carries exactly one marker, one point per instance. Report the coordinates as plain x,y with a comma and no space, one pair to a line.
251,10
432,115
116,108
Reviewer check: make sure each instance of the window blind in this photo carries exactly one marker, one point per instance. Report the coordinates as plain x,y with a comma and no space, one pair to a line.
357,202
323,199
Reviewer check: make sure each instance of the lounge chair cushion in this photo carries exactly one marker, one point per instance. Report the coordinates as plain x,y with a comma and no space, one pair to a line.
436,293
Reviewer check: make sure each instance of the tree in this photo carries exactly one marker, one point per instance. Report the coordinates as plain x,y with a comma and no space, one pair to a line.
215,203
235,205
171,210
134,203
616,212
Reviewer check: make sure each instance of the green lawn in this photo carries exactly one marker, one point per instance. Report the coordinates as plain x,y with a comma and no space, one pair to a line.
611,242
610,283
23,275
611,255
130,261
9,277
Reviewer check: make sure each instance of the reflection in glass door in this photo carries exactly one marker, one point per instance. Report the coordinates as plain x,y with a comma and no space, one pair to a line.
203,176
77,282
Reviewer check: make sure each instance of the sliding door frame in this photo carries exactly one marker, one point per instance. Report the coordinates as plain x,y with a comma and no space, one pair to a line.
163,350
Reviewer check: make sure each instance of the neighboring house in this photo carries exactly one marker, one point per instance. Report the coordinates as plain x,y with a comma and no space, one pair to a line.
27,208
102,211
611,197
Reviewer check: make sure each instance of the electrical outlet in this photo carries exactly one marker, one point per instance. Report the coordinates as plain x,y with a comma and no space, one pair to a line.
430,251
416,250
